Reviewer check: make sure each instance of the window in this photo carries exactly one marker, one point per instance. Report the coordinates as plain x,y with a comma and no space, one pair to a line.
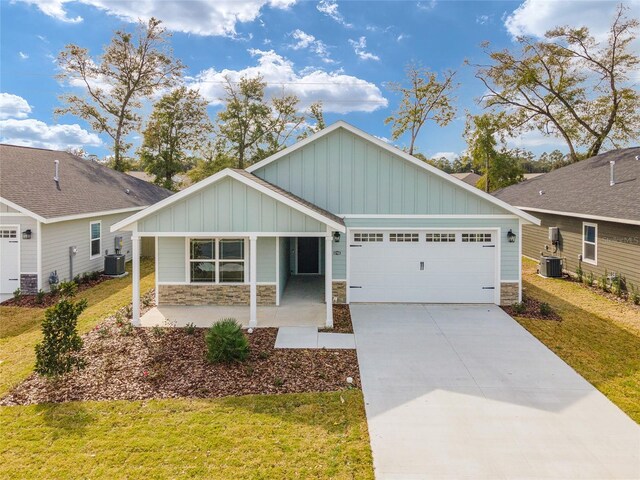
95,239
368,237
217,260
403,237
590,243
476,237
441,237
8,233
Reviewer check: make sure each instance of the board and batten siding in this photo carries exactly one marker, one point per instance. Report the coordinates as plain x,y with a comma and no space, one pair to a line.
28,248
509,261
285,264
346,174
618,247
229,206
58,237
172,259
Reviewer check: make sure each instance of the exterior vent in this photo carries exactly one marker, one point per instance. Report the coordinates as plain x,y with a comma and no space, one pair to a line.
551,267
56,177
612,179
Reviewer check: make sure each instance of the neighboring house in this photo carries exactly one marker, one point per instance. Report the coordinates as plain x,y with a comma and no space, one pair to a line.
470,178
41,218
595,205
182,181
377,223
529,176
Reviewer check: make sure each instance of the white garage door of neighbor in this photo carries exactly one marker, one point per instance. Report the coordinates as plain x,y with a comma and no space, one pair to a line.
422,266
9,260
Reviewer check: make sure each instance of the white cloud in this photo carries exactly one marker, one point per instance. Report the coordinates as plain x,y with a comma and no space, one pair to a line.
34,133
535,139
13,106
536,17
306,40
359,47
483,19
330,8
401,37
200,17
23,56
430,5
450,156
338,92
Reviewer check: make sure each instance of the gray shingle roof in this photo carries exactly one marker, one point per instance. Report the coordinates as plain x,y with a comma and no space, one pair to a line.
290,196
583,187
26,179
470,178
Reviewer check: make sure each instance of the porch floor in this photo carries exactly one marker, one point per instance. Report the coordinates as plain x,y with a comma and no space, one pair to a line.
301,305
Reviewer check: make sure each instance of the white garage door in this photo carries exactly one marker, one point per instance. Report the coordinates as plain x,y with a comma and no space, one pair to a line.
422,266
9,259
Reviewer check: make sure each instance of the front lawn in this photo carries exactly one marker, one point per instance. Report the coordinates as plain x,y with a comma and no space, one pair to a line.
20,327
312,435
597,336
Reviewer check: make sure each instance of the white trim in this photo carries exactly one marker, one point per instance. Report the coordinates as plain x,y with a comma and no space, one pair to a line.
277,271
595,243
19,238
91,240
403,217
253,288
424,229
156,271
135,281
39,253
231,234
395,151
22,210
348,267
583,215
28,273
519,262
227,172
328,280
15,214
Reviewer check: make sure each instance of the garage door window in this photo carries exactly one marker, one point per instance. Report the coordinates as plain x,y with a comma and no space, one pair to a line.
368,237
476,237
441,237
403,237
8,233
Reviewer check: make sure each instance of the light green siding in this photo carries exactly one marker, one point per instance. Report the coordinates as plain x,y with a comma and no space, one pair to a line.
229,206
266,259
171,259
346,174
339,265
285,268
509,258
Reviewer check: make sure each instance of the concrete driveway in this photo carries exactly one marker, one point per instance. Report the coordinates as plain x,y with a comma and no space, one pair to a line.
456,392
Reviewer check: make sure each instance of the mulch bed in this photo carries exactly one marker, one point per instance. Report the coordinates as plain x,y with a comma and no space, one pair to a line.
531,310
30,301
143,363
341,320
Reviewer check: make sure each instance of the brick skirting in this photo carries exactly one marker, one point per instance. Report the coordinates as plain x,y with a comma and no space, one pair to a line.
29,283
339,292
229,295
509,293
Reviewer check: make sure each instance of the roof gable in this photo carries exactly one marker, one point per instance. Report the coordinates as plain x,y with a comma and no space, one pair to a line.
347,171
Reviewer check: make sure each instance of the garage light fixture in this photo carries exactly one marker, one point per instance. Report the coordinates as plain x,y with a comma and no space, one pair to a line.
336,237
511,236
26,235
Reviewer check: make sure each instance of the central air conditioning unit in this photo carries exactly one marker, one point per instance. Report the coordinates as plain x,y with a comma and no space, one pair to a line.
551,267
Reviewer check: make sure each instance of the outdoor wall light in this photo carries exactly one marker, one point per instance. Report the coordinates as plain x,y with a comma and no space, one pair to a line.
26,235
336,237
511,236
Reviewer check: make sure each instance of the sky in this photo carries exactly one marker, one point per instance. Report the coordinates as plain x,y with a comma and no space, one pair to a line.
342,53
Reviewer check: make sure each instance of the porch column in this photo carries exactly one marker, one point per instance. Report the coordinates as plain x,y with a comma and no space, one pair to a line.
135,280
328,278
253,277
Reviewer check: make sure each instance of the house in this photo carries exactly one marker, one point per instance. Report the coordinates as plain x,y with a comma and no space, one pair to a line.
529,176
595,206
470,178
340,213
181,180
52,202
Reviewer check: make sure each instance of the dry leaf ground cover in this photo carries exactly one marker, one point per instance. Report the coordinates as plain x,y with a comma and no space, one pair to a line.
597,336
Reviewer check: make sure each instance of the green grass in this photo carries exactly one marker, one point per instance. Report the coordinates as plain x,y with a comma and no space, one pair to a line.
598,337
20,327
272,436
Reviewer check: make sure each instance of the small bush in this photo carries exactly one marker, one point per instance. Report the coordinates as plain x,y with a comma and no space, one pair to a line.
157,331
190,328
40,297
77,279
634,294
579,273
590,279
94,275
545,309
57,354
17,294
53,288
226,342
68,289
126,329
618,284
603,281
519,307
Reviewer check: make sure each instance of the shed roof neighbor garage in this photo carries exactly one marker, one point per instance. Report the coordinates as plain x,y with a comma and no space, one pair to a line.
377,223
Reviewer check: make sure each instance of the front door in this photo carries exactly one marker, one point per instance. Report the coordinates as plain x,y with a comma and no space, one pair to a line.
9,259
308,257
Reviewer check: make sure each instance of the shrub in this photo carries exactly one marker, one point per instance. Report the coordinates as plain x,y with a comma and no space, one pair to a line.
17,294
519,307
579,273
603,281
590,279
545,309
226,342
157,331
57,354
618,284
94,275
40,297
77,279
68,289
190,328
53,288
634,294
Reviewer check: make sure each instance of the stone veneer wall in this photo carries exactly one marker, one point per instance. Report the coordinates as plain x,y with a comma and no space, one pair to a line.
230,295
29,283
508,293
339,292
